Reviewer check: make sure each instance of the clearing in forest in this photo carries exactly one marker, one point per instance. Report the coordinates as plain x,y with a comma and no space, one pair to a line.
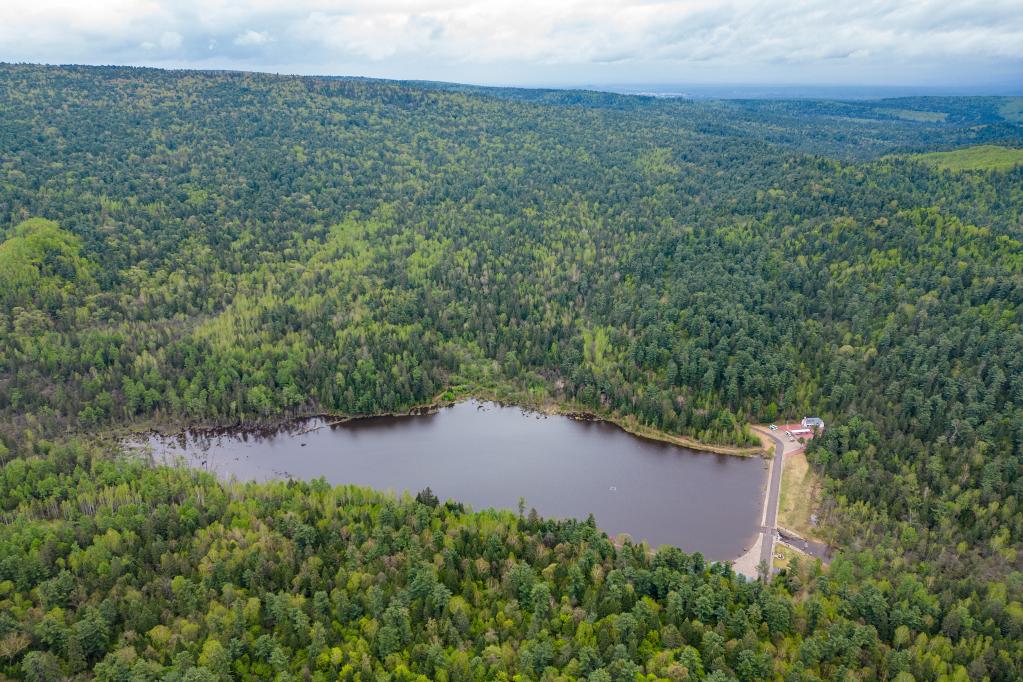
800,490
982,157
783,556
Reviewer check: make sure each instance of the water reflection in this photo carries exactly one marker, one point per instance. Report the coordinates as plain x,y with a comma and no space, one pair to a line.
487,455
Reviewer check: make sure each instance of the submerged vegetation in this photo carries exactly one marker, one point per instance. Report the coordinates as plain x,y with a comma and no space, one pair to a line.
198,247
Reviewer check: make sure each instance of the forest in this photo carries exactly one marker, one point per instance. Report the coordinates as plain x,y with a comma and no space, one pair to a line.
216,248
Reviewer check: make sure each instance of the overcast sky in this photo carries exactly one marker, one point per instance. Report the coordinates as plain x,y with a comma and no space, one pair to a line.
944,43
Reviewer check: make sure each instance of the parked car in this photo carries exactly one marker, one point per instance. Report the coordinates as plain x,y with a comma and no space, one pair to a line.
773,427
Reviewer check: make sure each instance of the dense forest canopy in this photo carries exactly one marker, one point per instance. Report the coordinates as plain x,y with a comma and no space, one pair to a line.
182,247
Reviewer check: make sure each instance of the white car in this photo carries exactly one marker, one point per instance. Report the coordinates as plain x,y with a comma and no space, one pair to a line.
773,427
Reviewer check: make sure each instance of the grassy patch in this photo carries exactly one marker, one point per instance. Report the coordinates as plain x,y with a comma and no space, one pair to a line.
983,157
783,556
799,491
914,115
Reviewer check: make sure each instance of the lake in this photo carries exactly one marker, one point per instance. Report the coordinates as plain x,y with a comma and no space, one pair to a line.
487,455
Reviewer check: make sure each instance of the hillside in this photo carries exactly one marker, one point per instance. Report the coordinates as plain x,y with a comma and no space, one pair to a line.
190,247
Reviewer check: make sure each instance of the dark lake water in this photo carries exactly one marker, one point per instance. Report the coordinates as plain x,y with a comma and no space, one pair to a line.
486,455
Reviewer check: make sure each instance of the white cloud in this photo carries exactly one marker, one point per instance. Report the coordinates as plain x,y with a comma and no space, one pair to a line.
633,38
170,40
252,38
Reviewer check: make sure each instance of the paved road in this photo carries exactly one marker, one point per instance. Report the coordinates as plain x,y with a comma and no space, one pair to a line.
811,547
773,493
770,532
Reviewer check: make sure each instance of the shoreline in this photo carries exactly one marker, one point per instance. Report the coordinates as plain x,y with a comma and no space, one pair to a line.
625,423
279,424
301,425
684,441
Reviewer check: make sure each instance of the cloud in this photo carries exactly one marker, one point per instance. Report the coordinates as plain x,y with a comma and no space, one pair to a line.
595,39
252,38
170,40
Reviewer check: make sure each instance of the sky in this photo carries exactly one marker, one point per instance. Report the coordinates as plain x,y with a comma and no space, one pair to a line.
944,44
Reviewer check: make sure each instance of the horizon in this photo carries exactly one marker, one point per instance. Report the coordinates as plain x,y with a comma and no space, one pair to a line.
665,90
902,45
